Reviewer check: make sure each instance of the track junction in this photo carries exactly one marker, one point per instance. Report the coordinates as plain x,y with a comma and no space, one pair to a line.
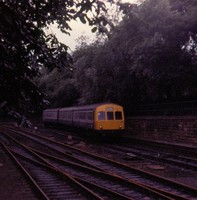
59,169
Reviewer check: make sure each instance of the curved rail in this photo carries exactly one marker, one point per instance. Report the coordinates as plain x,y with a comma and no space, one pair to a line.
146,179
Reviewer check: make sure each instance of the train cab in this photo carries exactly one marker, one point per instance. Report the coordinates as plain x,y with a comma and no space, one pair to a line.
109,117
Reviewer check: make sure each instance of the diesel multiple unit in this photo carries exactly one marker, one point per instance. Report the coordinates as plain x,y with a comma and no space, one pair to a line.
104,117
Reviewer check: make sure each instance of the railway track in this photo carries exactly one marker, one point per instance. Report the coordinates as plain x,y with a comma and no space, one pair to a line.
49,182
153,155
124,174
51,187
112,185
175,161
186,151
182,161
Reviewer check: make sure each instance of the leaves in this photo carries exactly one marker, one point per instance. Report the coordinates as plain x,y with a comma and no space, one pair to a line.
25,49
82,18
150,56
94,30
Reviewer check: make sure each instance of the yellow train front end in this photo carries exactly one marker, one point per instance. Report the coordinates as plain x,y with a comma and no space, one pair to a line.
109,118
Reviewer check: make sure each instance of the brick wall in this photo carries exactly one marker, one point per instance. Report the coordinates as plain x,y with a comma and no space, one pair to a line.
167,129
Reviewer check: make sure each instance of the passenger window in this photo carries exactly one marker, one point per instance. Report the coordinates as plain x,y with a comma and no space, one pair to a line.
101,115
110,116
76,115
89,116
82,115
118,115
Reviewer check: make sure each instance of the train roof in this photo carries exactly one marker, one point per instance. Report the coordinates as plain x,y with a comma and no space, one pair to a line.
91,106
87,107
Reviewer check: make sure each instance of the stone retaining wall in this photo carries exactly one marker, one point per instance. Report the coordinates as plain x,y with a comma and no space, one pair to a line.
167,129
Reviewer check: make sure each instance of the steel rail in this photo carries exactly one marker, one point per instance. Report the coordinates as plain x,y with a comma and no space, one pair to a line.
120,179
167,194
192,190
27,174
158,190
104,158
162,158
87,191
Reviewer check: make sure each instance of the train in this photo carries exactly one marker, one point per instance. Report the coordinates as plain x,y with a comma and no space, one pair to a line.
101,118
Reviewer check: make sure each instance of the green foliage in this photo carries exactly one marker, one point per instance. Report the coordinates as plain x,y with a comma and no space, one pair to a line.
59,86
150,57
25,48
85,73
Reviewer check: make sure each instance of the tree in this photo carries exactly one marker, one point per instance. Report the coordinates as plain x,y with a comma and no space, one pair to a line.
149,57
59,86
169,71
25,48
84,72
150,40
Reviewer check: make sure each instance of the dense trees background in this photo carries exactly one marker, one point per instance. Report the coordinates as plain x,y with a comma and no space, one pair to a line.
26,49
150,56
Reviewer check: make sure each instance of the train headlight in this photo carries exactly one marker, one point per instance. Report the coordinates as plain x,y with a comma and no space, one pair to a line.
101,127
120,126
